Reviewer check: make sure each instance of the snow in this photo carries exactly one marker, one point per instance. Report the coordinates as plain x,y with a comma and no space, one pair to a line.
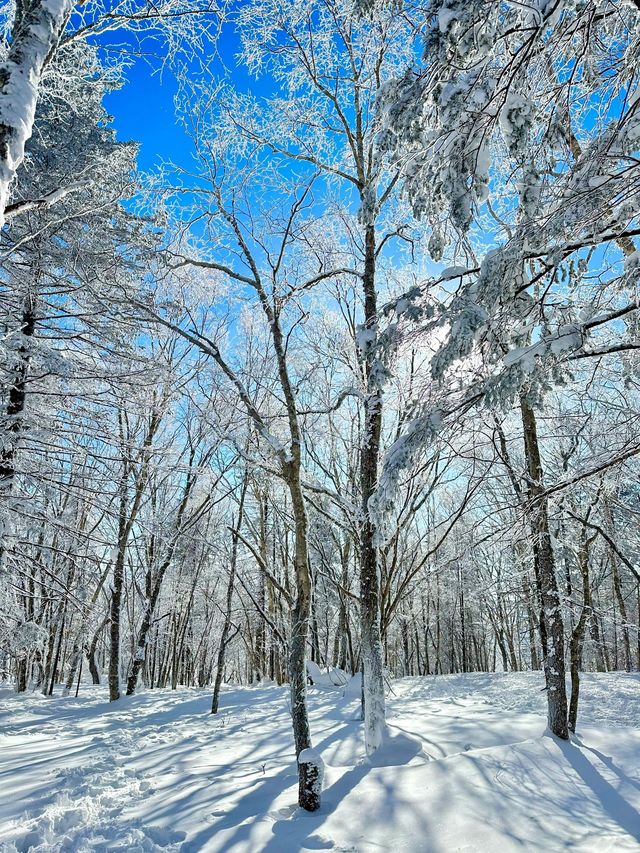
445,17
568,338
28,635
365,338
313,757
330,678
466,765
19,95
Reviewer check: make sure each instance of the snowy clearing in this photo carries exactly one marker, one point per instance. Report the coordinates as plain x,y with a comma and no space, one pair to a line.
467,766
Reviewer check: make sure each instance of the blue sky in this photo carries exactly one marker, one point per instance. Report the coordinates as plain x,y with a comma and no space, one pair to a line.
143,109
143,112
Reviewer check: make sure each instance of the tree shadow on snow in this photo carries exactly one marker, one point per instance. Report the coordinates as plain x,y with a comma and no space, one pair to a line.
298,830
613,803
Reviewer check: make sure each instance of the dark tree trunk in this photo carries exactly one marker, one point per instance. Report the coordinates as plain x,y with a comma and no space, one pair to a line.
56,659
126,519
308,789
373,676
551,622
577,636
17,398
114,626
21,674
91,652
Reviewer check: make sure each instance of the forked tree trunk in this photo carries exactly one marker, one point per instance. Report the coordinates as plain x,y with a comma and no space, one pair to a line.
155,588
79,642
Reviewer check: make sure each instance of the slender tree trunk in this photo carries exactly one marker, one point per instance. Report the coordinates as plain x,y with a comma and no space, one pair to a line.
91,652
577,635
622,609
56,659
463,626
226,628
126,519
309,766
594,630
76,661
79,642
147,620
551,615
49,654
114,626
372,658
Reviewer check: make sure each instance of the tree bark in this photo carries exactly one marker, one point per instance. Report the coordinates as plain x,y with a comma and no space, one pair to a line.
155,587
126,519
577,635
226,628
36,30
17,397
91,652
114,625
551,622
372,658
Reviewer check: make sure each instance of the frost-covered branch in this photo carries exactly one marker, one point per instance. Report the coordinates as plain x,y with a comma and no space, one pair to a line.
36,31
19,208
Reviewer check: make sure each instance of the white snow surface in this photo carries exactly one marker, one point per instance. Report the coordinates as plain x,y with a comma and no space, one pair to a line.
467,765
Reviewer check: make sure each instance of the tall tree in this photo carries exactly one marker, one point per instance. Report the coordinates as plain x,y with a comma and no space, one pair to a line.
331,65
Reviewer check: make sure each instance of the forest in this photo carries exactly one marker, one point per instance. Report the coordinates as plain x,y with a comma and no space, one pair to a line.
341,399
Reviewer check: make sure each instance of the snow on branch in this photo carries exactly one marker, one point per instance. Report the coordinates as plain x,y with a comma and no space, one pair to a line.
35,35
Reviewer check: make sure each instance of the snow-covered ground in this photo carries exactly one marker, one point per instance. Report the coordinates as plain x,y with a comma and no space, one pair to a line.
467,766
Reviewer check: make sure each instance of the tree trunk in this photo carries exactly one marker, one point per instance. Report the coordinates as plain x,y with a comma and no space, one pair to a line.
76,662
551,623
114,627
56,659
17,397
21,674
37,27
308,771
226,628
91,652
577,636
126,519
372,660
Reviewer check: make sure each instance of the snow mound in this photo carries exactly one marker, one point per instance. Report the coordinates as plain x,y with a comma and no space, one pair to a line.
332,678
